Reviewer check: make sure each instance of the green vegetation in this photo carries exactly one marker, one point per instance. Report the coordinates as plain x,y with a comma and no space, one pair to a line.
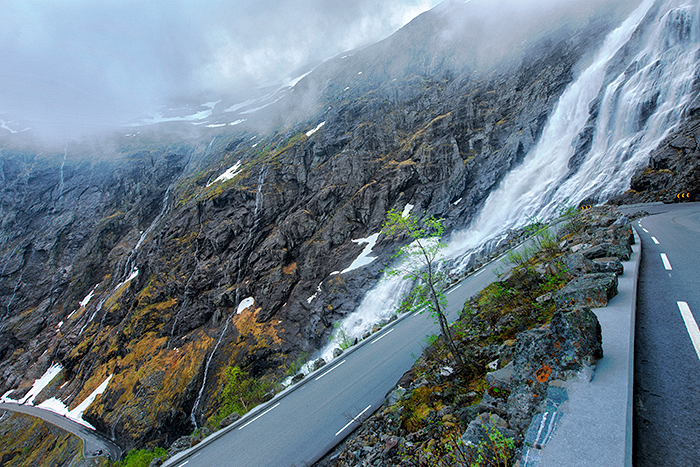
420,264
494,451
141,457
345,342
296,365
240,394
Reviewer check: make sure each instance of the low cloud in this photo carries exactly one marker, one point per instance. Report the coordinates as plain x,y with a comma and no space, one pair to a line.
78,65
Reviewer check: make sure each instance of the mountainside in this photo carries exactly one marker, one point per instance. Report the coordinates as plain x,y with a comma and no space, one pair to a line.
157,262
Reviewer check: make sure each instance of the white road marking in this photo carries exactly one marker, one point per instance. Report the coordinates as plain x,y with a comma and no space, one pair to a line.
691,325
240,428
324,374
667,263
382,336
186,462
655,240
479,272
353,420
454,288
645,230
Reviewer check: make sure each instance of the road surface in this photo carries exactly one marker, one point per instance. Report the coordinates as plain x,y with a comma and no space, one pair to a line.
301,427
92,441
667,344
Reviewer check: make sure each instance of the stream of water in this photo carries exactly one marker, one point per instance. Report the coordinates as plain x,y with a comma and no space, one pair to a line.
638,109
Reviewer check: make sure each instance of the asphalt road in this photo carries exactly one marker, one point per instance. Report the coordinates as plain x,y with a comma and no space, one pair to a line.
667,360
301,427
92,441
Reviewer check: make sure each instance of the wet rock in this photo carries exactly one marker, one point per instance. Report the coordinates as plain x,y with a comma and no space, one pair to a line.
337,352
298,377
590,290
318,364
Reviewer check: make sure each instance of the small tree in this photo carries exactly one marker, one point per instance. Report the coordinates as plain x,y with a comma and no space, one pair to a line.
420,263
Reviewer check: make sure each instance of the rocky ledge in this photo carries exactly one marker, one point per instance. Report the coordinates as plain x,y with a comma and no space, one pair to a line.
521,337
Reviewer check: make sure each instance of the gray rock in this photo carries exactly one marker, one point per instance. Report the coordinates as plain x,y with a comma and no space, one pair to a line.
501,379
624,252
337,352
577,264
570,344
234,417
298,377
590,290
320,363
596,251
395,396
156,462
609,264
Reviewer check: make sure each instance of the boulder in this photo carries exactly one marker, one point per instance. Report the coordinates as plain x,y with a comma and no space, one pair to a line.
234,417
608,264
571,343
596,251
590,290
501,379
577,264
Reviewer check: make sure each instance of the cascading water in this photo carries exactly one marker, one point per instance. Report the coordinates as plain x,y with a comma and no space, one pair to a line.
637,110
256,221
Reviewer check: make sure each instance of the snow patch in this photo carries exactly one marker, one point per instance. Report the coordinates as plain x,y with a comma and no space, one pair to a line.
314,296
247,303
237,122
364,259
407,210
57,406
59,325
457,202
318,127
229,174
37,387
84,302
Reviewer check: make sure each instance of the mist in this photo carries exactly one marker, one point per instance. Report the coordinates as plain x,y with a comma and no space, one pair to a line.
73,67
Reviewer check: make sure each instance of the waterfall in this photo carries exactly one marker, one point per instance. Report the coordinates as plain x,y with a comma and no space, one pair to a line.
637,110
193,417
527,189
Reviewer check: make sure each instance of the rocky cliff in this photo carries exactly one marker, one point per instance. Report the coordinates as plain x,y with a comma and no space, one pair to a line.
161,264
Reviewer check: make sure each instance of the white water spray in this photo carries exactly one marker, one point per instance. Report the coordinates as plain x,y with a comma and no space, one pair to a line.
637,111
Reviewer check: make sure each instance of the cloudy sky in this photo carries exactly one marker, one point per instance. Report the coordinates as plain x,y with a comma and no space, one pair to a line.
107,61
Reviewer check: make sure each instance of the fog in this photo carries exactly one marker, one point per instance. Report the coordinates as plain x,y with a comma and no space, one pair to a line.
70,66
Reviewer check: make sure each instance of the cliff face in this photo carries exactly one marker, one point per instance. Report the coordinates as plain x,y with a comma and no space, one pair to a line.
135,264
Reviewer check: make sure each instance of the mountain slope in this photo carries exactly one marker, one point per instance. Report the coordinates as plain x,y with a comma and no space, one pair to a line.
160,265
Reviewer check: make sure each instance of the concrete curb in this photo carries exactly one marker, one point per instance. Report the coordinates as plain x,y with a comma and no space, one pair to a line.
591,422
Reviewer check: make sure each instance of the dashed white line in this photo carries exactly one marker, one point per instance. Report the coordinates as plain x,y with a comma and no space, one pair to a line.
186,462
240,428
655,240
353,420
324,374
382,336
454,288
645,230
691,325
667,263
